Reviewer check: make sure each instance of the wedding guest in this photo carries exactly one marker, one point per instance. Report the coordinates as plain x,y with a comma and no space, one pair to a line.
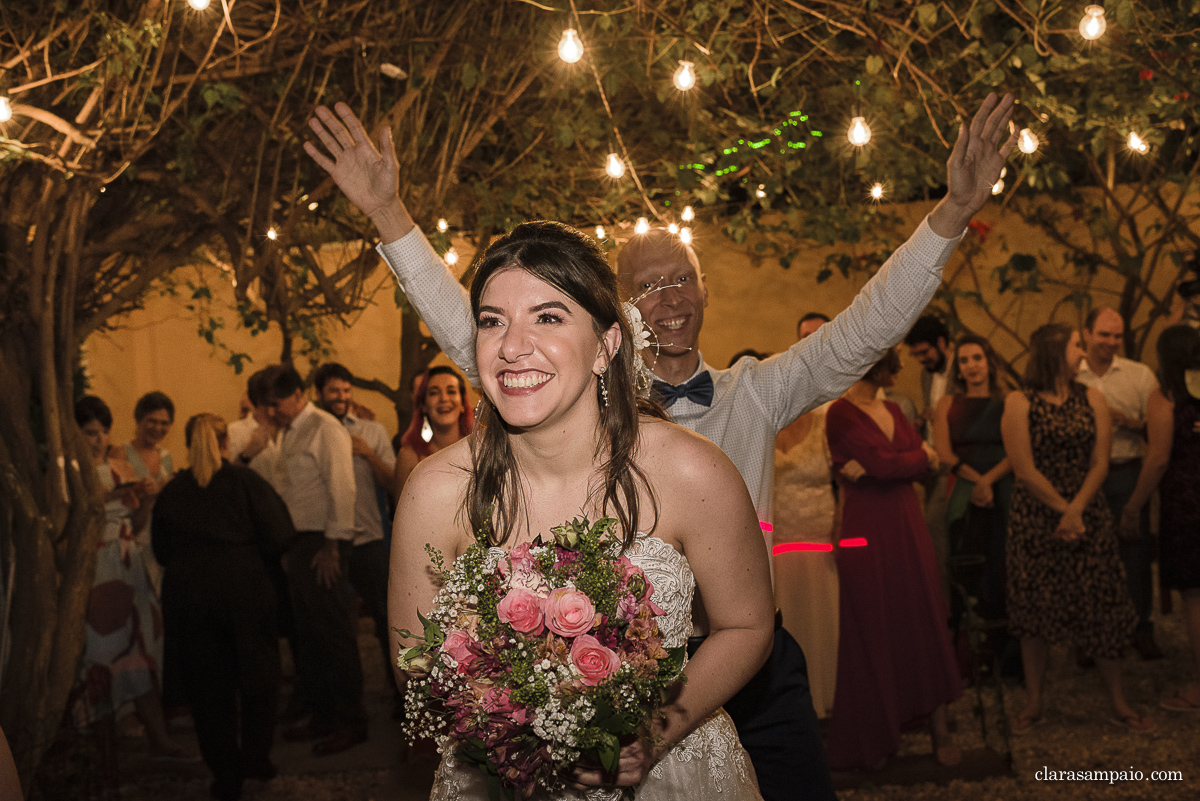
1172,463
1065,581
1126,386
742,409
216,528
441,417
895,662
122,653
803,506
252,436
966,433
315,477
374,475
153,415
929,343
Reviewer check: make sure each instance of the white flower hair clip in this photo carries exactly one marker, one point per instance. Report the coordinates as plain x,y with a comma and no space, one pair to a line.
642,335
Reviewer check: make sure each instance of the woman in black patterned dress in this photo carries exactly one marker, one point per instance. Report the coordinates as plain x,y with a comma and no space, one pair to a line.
1066,584
1173,455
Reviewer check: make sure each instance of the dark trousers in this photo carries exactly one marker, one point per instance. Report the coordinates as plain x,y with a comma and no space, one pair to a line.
229,659
1135,554
369,576
778,727
327,663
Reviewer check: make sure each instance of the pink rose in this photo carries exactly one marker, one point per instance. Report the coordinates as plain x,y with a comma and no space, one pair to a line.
457,647
569,612
522,610
594,661
627,607
519,557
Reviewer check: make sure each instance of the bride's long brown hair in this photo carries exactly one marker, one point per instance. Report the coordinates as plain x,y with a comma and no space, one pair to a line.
572,263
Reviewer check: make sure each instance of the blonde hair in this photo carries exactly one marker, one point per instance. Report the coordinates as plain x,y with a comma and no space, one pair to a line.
205,434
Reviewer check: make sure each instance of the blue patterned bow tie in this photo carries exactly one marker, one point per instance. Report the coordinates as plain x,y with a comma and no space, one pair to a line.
699,390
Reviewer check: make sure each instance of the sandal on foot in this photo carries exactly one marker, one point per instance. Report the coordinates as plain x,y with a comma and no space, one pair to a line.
1179,703
1024,723
1138,724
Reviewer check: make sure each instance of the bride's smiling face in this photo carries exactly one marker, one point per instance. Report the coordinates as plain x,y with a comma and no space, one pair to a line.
537,350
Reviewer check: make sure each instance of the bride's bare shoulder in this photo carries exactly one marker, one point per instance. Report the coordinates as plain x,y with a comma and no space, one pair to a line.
672,455
439,480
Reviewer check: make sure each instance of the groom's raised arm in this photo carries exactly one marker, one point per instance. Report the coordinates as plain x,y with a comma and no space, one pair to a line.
370,179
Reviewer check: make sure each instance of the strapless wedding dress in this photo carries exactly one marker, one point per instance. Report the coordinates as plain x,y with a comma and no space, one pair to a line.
707,765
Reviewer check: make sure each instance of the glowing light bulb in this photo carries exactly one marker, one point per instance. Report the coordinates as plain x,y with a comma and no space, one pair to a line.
614,166
1093,25
859,133
272,234
600,234
761,192
685,236
199,5
1137,144
688,215
877,192
998,187
570,49
1027,142
673,228
5,109
442,225
451,257
312,206
643,225
685,76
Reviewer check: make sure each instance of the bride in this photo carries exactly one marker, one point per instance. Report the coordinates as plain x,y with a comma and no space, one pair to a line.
561,433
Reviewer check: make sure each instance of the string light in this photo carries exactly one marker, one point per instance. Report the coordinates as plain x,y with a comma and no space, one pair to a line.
859,133
877,191
451,257
1093,25
614,166
685,236
312,206
998,187
685,76
6,111
673,228
1027,142
1137,144
199,5
688,215
570,49
272,234
442,225
761,192
600,234
643,225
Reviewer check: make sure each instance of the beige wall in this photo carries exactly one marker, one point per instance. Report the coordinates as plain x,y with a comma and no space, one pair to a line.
754,303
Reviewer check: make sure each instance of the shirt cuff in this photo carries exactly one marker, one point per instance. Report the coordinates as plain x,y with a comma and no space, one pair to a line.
409,251
930,248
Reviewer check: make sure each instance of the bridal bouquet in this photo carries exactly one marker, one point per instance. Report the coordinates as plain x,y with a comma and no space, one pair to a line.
534,658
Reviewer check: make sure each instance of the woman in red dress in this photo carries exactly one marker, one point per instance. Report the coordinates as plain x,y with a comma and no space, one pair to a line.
895,661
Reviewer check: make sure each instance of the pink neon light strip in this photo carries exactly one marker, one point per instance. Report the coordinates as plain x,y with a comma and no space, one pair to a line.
764,525
788,547
853,542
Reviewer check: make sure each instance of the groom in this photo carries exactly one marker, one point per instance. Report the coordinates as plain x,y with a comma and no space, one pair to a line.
740,409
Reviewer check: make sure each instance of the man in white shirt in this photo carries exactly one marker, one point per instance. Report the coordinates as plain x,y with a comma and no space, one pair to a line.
314,475
1127,386
740,409
374,473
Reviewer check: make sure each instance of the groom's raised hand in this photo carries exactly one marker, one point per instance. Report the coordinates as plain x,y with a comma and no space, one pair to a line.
974,165
368,176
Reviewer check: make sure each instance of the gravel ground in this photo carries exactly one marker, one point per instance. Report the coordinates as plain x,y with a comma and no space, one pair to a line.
1076,734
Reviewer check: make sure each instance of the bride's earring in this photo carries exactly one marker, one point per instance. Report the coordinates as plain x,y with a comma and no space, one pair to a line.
603,387
426,430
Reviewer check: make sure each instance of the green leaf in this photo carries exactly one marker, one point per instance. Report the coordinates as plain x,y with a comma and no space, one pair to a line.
927,14
470,75
874,65
609,752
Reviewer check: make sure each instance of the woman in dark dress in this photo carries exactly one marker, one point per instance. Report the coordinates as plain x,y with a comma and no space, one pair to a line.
1173,455
966,433
216,526
895,663
1066,584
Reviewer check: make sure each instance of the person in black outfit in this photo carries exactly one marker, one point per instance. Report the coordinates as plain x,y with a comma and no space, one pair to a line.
215,529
